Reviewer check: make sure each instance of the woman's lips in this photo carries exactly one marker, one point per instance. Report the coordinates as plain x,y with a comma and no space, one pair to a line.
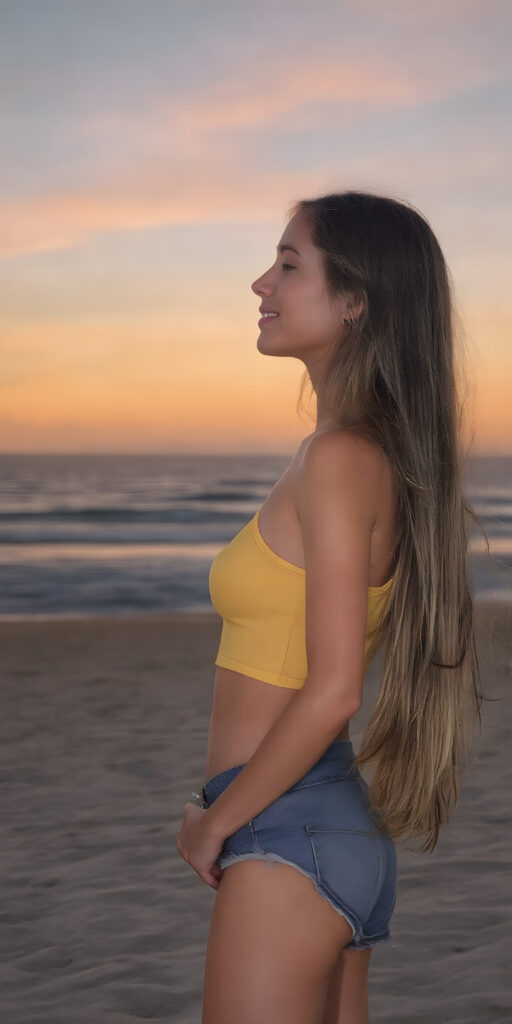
267,320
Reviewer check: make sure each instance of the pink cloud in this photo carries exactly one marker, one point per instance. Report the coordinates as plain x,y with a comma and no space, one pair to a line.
185,159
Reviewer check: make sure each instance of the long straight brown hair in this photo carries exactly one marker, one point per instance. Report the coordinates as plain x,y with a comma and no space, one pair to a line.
393,379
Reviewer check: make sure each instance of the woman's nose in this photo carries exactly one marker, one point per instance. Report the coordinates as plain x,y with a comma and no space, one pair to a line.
261,286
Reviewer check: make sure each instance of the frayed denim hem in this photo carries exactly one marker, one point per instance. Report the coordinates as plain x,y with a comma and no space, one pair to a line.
370,943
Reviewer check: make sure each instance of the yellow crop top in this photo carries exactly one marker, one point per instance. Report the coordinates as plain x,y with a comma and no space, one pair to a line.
262,600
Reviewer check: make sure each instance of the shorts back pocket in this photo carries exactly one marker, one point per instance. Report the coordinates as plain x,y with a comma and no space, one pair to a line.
349,864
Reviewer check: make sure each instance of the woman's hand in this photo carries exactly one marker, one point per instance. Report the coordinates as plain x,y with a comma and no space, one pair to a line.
198,846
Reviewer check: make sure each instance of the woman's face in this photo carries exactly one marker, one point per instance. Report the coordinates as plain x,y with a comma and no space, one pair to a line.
308,319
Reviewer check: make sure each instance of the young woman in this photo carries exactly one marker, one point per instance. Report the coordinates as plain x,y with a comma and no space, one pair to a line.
362,539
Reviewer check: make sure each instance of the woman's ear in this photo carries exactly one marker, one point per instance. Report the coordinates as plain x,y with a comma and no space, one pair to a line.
352,307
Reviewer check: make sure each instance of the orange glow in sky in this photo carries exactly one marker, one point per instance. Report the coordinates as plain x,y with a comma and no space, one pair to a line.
145,185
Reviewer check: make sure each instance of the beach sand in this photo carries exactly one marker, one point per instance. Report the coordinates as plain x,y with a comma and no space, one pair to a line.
104,726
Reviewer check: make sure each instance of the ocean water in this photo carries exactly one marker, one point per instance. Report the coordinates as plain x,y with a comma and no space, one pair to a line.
118,534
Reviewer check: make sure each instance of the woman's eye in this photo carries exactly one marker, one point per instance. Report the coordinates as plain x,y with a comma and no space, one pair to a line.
288,266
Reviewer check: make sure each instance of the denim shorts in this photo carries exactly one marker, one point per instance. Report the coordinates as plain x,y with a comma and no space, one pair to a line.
322,825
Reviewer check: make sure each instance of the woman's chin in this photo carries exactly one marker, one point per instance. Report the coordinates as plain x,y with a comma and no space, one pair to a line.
266,349
268,342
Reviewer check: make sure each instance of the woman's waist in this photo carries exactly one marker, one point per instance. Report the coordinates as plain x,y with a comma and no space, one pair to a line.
244,709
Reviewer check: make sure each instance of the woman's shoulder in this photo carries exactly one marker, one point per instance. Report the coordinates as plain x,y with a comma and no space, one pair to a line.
347,457
340,446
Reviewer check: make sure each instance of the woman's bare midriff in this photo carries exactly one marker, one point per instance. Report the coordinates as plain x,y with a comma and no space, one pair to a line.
244,709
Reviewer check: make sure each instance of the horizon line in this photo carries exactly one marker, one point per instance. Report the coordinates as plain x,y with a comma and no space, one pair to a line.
483,453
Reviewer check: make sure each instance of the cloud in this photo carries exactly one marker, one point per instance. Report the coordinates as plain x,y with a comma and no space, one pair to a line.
292,86
247,144
63,220
235,188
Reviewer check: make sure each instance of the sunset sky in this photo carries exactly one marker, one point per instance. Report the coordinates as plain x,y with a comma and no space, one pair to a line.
150,151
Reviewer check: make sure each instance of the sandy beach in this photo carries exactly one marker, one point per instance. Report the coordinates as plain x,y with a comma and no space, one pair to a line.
104,726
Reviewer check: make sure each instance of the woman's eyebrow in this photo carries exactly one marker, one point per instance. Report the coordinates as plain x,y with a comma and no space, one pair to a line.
281,248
